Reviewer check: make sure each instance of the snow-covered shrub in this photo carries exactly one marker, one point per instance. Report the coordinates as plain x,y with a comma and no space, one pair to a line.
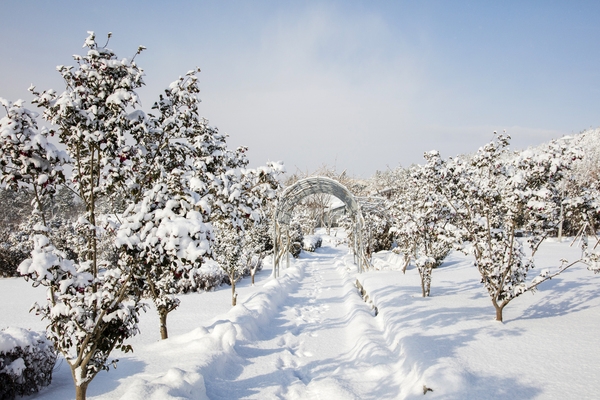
26,362
206,278
580,192
379,237
311,242
14,248
305,218
296,237
258,243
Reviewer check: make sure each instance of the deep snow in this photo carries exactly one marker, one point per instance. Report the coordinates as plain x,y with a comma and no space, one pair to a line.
310,335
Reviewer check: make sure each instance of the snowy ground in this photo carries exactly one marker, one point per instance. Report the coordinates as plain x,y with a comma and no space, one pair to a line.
310,335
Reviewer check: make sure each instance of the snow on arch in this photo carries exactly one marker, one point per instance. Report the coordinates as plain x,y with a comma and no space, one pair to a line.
292,195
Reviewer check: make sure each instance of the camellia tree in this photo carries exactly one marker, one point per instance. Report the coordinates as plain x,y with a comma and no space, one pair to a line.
89,310
423,225
241,204
164,230
493,195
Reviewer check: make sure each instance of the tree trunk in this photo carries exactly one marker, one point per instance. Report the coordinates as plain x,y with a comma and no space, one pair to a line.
80,391
425,273
233,294
560,225
499,314
163,324
406,262
499,309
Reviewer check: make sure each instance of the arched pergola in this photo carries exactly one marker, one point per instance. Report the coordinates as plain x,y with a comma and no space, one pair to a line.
292,195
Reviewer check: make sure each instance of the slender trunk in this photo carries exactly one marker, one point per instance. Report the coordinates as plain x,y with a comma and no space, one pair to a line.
499,314
425,273
163,323
233,294
406,262
560,224
81,390
499,309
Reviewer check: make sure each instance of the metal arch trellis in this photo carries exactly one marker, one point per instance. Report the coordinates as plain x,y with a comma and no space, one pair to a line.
293,195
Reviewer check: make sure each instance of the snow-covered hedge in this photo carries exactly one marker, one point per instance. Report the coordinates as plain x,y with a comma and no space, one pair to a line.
311,242
206,278
26,362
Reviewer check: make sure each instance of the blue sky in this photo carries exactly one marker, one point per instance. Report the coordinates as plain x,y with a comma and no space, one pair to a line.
361,86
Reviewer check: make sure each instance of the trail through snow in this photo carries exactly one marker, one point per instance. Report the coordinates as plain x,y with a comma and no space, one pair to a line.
310,348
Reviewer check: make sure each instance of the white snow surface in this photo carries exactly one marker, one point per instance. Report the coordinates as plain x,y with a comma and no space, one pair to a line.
310,335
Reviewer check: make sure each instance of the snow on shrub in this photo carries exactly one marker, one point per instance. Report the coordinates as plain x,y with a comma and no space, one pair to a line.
296,237
12,252
26,362
206,278
311,242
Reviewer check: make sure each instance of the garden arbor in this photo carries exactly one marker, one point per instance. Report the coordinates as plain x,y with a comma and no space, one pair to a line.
293,195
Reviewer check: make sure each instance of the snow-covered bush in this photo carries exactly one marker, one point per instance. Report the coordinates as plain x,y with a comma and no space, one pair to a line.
295,237
305,218
26,362
14,248
311,242
258,243
206,278
580,191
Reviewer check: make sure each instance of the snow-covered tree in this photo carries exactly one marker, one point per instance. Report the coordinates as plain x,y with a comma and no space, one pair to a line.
164,230
494,194
423,224
241,198
228,253
27,159
88,310
165,236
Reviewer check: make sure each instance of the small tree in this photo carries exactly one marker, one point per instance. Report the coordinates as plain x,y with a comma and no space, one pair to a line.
242,197
423,226
164,231
228,253
495,193
89,312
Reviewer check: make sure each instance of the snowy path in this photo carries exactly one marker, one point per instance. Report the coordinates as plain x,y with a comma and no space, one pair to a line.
310,348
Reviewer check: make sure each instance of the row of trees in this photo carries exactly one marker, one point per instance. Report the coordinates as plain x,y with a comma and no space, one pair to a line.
481,204
160,194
